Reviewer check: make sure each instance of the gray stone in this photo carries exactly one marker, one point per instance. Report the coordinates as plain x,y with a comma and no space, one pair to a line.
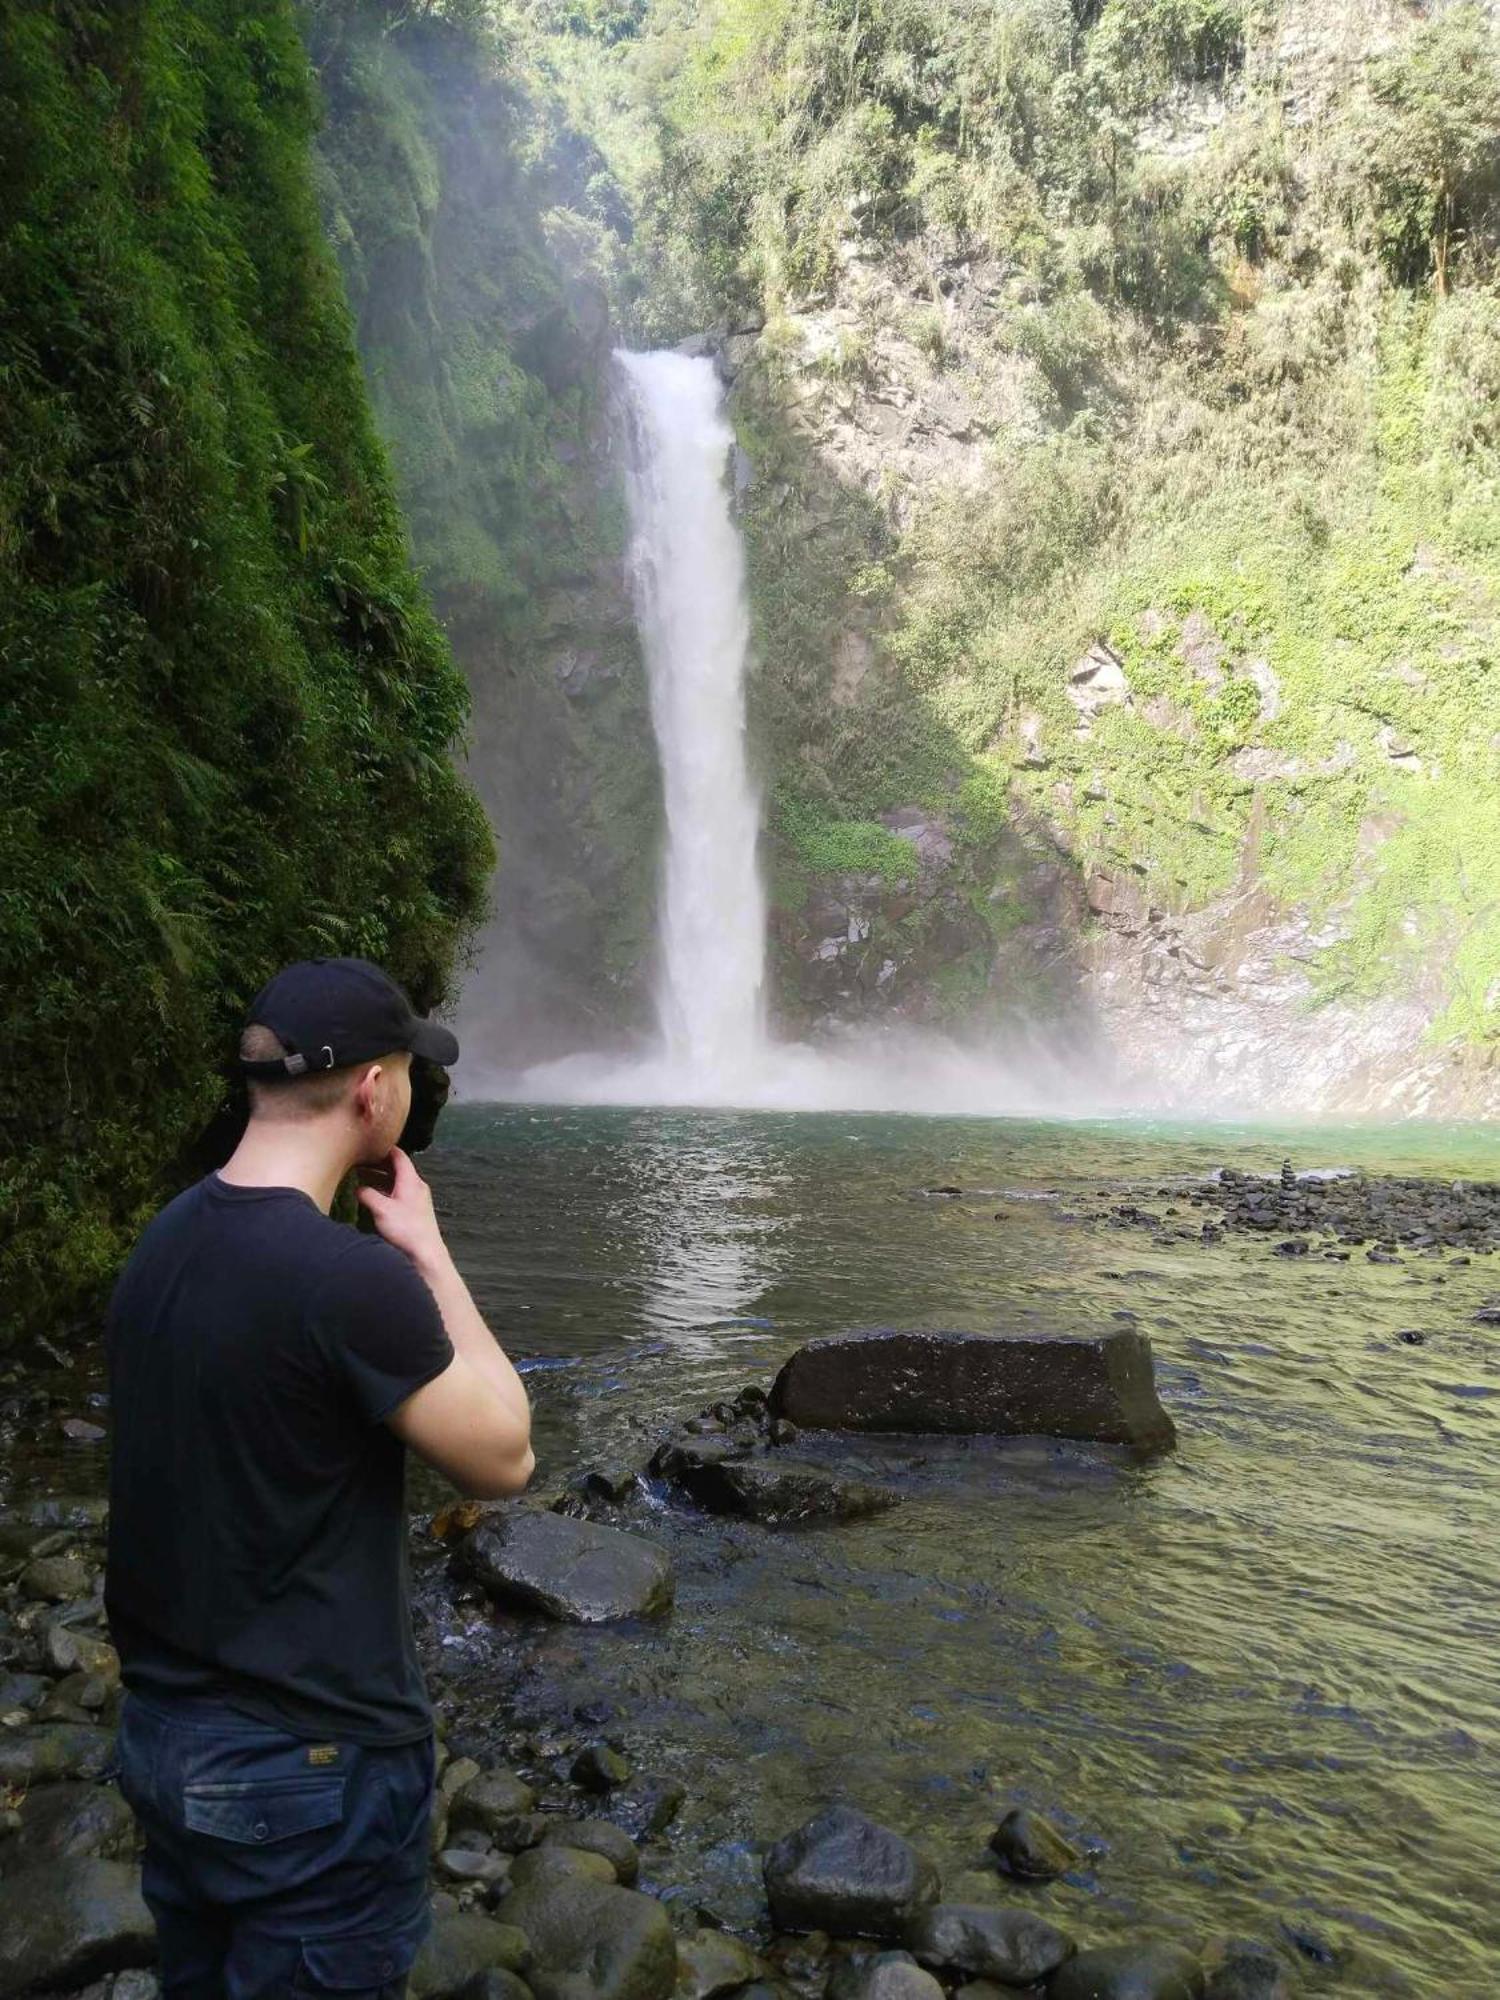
21,1691
63,1923
460,1946
597,1836
495,1985
467,1864
1089,1386
457,1772
43,1752
76,1819
1031,1849
645,1807
57,1579
595,1942
556,1862
844,1874
135,1985
1130,1972
71,1652
1012,1946
777,1494
573,1571
712,1962
490,1801
597,1768
886,1975
1245,1969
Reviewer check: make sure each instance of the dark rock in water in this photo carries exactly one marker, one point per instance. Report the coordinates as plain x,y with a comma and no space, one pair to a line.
1012,1946
776,1494
1488,1316
646,1807
76,1819
573,1571
597,1836
48,1751
1245,1969
459,1948
1412,1337
597,1768
1294,1246
710,1963
63,1923
594,1942
844,1874
1031,1849
1088,1386
886,1975
1130,1972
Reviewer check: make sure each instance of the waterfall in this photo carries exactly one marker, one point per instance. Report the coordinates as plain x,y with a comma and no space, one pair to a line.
687,576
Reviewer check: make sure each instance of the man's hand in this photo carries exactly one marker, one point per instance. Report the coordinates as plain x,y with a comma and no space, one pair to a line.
404,1216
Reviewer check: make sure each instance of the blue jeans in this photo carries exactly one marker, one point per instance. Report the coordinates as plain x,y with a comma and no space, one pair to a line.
276,1866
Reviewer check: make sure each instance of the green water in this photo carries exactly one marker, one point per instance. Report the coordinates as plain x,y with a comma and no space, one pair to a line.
1257,1679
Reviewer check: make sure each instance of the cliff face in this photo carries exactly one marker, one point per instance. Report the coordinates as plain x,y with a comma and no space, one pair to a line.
474,231
1123,528
228,712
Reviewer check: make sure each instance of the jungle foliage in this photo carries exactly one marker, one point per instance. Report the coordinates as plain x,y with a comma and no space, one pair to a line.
229,712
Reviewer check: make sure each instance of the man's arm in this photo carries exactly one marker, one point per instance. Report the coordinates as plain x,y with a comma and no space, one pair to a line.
473,1422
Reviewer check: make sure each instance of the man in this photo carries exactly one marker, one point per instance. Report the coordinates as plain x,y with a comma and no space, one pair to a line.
267,1368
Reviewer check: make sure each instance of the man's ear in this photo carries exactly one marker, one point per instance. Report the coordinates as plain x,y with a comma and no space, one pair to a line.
365,1092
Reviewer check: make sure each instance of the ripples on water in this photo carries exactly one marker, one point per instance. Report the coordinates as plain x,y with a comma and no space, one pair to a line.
1257,1678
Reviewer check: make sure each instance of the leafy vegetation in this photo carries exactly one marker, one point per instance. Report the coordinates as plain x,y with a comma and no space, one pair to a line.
229,712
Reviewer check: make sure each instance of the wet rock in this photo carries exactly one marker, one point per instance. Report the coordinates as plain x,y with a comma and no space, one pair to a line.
1130,1972
44,1752
490,1800
63,1923
573,1571
777,1494
495,1984
57,1579
457,1773
597,1836
1097,1386
466,1864
597,1768
460,1946
1031,1849
844,1874
885,1975
76,1819
21,1691
646,1807
1245,1969
73,1652
557,1863
710,1963
1012,1946
594,1942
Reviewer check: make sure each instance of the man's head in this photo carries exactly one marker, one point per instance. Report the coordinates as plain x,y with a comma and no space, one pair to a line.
332,1040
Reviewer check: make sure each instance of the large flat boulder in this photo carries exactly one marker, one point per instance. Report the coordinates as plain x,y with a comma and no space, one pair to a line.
63,1923
573,1571
1015,1947
1097,1387
591,1941
849,1876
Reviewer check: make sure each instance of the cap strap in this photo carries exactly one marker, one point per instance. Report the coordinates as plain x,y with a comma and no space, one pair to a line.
276,1067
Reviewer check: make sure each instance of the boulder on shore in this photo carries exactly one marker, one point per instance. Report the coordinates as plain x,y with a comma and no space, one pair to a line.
573,1571
1012,1946
1130,1972
63,1923
1095,1387
776,1495
594,1942
844,1874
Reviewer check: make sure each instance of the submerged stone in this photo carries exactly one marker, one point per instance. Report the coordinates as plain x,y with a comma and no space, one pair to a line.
844,1874
1130,1972
1245,1969
1012,1946
776,1494
1031,1849
1095,1387
573,1571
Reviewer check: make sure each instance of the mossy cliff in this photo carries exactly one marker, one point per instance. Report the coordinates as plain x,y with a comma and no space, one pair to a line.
228,710
476,232
1118,384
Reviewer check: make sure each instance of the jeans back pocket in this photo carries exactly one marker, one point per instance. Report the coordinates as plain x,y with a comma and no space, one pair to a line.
263,1809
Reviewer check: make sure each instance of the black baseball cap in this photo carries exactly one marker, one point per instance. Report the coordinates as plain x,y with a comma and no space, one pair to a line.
330,1012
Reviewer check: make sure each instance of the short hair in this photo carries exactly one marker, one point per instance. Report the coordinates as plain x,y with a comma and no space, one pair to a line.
305,1096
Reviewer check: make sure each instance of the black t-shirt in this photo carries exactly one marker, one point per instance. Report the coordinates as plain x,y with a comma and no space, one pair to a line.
257,1523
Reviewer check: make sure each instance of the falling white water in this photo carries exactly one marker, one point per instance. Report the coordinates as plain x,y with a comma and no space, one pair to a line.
688,580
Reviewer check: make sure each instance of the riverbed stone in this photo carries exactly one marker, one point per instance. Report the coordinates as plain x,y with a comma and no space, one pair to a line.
592,1941
469,1864
57,1579
460,1946
885,1975
73,1652
493,1984
847,1875
777,1494
646,1807
75,1819
1013,1946
40,1753
1245,1969
1148,1971
1096,1387
710,1963
63,1923
556,1862
574,1571
1031,1849
597,1836
597,1768
490,1800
